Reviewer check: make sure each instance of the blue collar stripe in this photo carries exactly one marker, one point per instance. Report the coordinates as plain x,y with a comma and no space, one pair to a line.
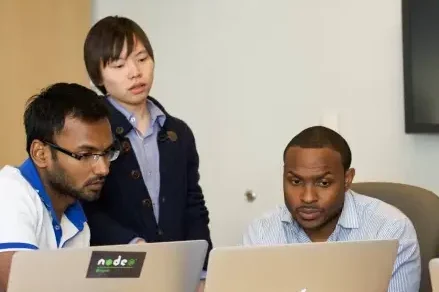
74,212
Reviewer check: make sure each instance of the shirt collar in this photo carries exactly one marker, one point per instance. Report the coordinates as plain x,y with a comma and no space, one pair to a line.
349,215
285,215
348,218
156,114
74,212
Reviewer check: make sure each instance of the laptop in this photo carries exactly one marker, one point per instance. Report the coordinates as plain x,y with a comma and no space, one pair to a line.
433,266
360,266
158,267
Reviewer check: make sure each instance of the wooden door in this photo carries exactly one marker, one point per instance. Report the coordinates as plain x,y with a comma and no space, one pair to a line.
40,43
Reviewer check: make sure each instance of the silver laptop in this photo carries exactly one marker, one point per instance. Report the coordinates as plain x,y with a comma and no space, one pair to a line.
158,267
434,273
360,266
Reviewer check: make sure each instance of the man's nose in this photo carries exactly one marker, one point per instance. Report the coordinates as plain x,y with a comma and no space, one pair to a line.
102,166
309,194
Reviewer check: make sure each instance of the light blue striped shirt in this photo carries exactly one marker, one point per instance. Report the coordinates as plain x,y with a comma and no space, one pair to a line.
362,218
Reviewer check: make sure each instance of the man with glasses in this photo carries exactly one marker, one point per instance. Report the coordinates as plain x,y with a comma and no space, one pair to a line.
70,147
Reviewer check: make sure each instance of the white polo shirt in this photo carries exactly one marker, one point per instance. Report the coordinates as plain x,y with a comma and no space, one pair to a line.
27,219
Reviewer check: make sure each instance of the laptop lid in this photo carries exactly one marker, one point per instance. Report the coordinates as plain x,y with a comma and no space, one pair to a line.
158,267
360,266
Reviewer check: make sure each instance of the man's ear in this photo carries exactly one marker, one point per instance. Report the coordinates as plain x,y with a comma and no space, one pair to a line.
348,178
40,153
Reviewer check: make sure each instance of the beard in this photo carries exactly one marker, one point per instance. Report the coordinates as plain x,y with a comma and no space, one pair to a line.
331,214
59,181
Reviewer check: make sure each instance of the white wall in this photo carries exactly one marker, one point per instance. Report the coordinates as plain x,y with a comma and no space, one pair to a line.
300,60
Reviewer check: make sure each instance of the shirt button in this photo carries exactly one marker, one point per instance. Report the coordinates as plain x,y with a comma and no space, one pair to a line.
160,232
163,200
133,120
149,172
135,174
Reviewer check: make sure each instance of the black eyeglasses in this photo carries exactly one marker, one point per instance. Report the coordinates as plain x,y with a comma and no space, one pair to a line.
110,154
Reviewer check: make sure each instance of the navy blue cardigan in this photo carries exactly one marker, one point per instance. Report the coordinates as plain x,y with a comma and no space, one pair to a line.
124,210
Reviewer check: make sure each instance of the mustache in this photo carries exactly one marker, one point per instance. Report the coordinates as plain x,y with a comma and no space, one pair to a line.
308,209
99,179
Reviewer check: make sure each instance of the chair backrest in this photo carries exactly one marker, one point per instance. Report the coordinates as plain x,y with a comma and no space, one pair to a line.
421,206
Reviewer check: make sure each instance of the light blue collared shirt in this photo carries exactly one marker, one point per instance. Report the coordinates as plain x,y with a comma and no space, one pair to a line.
146,149
362,218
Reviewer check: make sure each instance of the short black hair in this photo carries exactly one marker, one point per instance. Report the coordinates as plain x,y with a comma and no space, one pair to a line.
322,137
104,43
46,112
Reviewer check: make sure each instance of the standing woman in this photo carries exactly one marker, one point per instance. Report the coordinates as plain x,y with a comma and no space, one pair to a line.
152,192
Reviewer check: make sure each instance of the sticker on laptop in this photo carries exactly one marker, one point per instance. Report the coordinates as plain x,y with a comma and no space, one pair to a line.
113,264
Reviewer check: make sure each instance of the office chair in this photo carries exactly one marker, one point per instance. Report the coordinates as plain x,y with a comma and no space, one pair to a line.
418,204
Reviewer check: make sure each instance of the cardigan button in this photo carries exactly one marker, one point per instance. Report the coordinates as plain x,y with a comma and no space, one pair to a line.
147,203
119,130
135,174
126,146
